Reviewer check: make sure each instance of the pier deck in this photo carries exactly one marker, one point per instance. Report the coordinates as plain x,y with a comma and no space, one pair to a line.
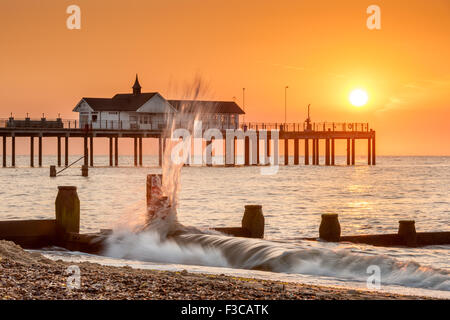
311,135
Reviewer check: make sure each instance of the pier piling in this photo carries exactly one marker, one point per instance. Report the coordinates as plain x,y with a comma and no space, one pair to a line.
327,152
66,151
13,151
140,151
247,151
373,150
160,152
110,151
353,152
116,151
306,152
296,156
31,151
91,151
59,150
85,148
40,150
369,150
4,151
286,151
333,156
135,151
348,152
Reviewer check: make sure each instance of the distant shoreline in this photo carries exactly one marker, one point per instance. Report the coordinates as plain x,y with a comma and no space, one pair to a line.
28,275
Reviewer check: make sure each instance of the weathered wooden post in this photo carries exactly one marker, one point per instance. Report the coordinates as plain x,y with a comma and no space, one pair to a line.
135,151
407,231
40,150
52,171
296,158
31,151
140,151
154,184
306,152
67,210
330,229
110,151
253,221
286,151
66,151
4,151
348,152
353,152
84,170
58,138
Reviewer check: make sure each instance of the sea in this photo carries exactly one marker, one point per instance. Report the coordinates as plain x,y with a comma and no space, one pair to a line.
368,200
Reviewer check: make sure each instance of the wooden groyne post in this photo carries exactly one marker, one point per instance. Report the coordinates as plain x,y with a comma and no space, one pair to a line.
329,230
67,210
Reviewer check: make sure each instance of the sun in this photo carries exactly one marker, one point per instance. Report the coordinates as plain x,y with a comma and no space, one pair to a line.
358,97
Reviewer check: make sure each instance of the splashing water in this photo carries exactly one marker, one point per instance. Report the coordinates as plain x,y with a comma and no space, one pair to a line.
163,239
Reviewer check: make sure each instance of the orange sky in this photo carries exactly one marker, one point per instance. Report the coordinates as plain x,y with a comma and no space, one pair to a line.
321,49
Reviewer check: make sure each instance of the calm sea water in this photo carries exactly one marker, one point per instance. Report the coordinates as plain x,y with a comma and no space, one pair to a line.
368,199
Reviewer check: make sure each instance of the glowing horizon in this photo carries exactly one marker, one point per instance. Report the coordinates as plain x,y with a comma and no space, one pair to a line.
322,50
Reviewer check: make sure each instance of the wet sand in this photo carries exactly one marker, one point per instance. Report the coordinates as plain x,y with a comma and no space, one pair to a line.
25,275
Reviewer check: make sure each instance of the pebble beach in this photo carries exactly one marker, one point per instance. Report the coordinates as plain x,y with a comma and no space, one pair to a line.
29,275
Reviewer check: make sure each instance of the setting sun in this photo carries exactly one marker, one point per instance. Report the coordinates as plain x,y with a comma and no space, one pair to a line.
358,97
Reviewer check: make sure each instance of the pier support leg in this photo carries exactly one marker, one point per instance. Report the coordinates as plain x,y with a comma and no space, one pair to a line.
348,152
327,152
247,151
296,152
313,152
86,152
306,152
116,151
369,151
13,151
333,152
31,151
286,152
269,136
4,151
66,151
373,151
257,148
110,151
160,151
59,151
317,152
40,151
353,152
91,151
135,152
208,153
140,151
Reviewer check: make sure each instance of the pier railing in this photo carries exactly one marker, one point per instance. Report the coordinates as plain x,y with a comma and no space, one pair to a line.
316,126
44,123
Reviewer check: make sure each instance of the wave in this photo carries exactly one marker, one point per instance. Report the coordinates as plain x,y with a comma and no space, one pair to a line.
216,250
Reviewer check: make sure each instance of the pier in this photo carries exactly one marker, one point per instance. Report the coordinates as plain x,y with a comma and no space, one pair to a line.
309,135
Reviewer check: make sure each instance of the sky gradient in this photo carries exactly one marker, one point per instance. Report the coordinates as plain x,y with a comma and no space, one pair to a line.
321,49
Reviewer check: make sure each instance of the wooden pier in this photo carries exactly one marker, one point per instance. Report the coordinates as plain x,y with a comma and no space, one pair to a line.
310,134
